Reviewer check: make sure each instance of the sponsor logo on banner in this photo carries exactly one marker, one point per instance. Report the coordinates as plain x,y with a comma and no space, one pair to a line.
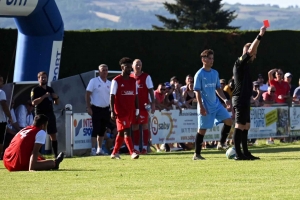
271,117
55,61
82,131
17,7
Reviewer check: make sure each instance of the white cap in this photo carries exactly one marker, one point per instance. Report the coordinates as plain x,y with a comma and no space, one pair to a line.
288,74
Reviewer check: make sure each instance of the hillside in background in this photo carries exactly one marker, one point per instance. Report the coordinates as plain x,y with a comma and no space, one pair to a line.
140,14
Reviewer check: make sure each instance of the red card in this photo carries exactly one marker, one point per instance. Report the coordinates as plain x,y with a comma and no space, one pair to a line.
266,23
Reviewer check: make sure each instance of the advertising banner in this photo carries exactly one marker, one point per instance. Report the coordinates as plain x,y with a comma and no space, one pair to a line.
175,127
82,130
17,7
55,61
295,121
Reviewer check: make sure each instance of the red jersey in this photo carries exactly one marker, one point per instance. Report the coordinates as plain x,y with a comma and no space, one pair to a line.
282,88
143,93
125,96
17,155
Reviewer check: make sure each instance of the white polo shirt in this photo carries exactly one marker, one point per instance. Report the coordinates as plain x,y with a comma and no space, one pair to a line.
2,114
100,92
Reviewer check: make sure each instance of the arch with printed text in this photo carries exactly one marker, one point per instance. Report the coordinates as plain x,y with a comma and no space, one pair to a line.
40,35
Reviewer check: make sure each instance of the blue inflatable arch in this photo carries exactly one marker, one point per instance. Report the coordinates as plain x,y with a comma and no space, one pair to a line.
40,36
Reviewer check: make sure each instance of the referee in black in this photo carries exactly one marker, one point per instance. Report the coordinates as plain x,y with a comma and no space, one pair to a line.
43,97
241,97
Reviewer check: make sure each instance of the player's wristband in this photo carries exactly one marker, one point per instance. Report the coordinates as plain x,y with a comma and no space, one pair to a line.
137,112
259,37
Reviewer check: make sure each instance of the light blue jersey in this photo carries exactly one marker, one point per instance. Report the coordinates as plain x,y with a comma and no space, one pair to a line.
207,82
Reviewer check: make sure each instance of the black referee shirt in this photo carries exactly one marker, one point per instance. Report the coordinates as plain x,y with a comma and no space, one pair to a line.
242,80
46,105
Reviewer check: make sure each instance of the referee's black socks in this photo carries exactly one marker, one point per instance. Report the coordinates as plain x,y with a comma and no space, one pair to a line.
237,139
198,143
245,142
224,133
54,147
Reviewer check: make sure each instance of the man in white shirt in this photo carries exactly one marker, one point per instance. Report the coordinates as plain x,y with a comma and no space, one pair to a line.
24,114
262,86
97,103
189,79
4,111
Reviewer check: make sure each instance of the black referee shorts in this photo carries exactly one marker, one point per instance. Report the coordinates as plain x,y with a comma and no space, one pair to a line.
51,129
100,119
2,131
242,114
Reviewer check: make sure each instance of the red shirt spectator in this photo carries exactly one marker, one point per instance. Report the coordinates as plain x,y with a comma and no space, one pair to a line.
159,96
282,87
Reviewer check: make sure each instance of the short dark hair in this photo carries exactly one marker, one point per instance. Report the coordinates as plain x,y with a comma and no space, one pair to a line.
125,60
42,73
40,120
207,53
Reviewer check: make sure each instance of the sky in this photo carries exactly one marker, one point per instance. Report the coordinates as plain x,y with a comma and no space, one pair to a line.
280,3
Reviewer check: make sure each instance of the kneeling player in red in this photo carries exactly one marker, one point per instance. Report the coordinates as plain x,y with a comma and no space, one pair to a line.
124,106
23,152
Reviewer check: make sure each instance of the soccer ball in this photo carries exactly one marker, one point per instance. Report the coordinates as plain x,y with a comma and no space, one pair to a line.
230,153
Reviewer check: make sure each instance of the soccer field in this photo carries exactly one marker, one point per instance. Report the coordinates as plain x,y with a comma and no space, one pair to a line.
164,176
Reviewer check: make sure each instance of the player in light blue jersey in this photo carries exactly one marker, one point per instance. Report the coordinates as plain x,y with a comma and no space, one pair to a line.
209,108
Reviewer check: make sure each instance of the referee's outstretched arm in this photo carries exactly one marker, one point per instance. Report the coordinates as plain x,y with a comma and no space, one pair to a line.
253,48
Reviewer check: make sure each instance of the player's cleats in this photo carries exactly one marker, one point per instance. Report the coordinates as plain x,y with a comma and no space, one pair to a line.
222,146
115,156
134,155
58,160
101,153
144,151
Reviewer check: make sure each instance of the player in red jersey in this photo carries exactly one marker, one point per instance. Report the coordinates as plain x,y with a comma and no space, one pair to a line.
145,87
23,152
124,106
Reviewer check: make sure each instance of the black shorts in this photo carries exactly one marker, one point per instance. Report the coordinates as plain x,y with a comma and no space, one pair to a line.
51,129
2,131
100,119
242,114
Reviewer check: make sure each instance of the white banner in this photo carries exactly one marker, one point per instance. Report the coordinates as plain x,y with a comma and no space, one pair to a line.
55,61
295,121
82,130
17,7
175,127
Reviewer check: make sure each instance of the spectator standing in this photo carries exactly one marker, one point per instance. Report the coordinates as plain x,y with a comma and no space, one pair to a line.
43,97
269,97
145,88
256,99
4,111
24,114
282,87
188,79
97,102
159,95
124,105
296,95
23,151
222,84
241,98
189,95
206,85
262,86
288,78
229,87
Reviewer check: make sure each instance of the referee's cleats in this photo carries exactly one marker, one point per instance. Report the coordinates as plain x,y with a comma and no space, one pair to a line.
251,157
198,157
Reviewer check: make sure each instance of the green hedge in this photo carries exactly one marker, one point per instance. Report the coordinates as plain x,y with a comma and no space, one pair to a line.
168,53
